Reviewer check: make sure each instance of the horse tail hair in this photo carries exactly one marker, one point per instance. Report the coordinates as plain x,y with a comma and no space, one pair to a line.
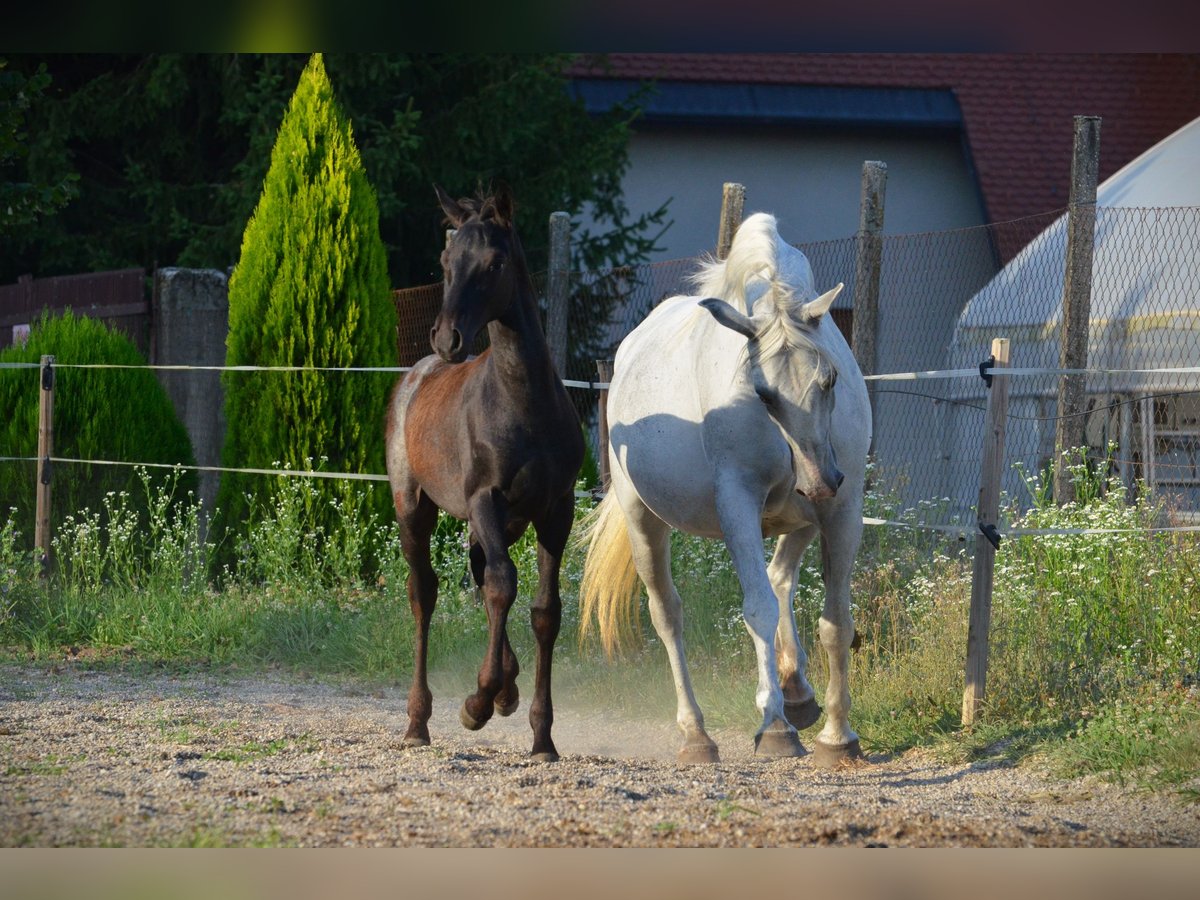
608,591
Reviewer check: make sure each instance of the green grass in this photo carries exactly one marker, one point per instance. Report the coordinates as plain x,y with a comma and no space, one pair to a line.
206,836
1093,664
47,765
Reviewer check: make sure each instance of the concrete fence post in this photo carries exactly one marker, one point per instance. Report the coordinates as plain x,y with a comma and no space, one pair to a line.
190,326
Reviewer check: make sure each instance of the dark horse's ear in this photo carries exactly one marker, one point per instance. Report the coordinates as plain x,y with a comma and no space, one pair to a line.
454,211
502,203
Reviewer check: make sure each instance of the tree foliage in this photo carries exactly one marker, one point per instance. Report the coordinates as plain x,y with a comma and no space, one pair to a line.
171,151
310,290
24,199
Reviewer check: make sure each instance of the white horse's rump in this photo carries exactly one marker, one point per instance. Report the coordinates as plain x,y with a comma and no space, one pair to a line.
739,414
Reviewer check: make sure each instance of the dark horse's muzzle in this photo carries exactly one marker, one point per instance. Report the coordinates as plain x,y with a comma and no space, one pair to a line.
448,341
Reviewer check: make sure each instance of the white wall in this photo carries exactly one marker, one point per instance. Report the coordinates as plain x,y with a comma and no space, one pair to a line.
809,179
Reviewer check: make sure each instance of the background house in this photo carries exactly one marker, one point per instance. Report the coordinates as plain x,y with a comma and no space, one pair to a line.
968,138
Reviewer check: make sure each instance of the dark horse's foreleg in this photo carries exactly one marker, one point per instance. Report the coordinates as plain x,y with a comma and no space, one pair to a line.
417,518
488,512
509,697
546,615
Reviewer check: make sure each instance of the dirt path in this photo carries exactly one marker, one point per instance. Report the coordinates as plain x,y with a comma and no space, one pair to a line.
93,758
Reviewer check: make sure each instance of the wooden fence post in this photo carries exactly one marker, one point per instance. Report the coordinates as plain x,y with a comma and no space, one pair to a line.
604,372
733,199
41,531
988,539
868,264
1077,301
558,290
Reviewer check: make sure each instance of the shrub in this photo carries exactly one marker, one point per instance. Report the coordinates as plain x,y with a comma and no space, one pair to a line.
310,289
99,414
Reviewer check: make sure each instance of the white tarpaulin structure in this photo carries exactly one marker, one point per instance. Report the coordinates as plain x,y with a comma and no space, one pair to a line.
1145,313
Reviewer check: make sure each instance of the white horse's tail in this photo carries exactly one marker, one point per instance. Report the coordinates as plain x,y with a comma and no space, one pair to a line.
759,260
608,592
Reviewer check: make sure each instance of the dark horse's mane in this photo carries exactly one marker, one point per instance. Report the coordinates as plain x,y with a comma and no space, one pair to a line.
484,205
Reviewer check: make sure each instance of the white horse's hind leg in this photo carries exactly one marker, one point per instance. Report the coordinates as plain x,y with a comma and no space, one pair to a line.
741,524
799,701
650,540
841,535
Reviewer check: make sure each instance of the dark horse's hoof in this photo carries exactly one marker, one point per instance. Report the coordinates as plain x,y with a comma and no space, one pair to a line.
802,715
549,756
468,721
414,740
507,709
698,754
778,744
835,756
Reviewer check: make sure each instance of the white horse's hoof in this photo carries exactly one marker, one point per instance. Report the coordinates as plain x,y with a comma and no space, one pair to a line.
802,715
778,744
835,756
697,754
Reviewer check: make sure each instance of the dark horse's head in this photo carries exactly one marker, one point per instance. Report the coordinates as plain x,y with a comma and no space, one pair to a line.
481,266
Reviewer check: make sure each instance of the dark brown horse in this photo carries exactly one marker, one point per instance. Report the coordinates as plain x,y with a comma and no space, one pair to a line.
493,440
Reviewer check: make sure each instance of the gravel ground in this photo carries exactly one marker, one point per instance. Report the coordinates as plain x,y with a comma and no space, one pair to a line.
148,758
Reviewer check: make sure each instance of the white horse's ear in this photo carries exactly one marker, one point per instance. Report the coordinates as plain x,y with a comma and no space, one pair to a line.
730,317
452,208
814,309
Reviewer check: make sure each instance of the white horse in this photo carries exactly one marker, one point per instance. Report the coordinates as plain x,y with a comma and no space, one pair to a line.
738,418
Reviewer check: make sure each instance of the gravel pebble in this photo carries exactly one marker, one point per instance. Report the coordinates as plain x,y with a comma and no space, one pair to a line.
116,758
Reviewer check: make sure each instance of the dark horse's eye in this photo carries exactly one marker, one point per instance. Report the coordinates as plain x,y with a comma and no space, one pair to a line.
496,266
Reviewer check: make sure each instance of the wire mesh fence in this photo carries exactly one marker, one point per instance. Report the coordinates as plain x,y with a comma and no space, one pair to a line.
1144,318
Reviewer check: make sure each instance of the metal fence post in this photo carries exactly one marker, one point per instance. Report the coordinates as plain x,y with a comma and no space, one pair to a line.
988,539
1077,301
41,531
558,290
733,199
868,263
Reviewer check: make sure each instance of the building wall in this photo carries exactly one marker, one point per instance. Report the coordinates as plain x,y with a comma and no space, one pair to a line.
809,179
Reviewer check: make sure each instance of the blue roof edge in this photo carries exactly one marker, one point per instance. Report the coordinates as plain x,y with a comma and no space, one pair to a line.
697,102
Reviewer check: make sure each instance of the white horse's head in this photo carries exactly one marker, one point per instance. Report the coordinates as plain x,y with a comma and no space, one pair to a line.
794,379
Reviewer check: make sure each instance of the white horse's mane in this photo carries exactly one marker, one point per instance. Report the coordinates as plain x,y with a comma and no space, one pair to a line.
761,264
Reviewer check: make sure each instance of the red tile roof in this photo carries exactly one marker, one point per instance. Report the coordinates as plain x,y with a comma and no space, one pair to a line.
1017,109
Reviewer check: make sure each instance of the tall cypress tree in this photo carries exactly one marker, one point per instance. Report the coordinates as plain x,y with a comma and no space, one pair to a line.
311,289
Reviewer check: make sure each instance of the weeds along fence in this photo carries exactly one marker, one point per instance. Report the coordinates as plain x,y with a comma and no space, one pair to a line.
950,311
